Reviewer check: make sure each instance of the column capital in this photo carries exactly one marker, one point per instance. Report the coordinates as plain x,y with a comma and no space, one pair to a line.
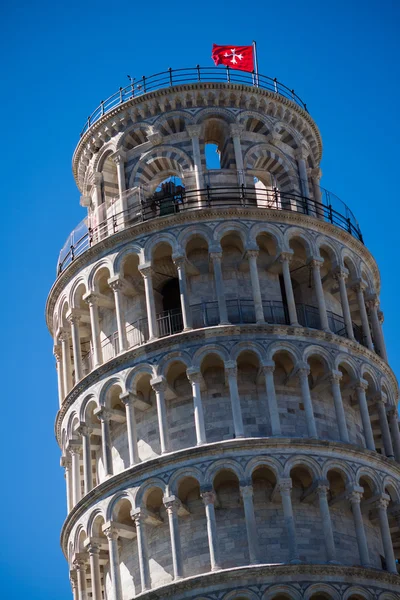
301,154
285,485
63,334
57,351
194,130
208,496
316,173
193,374
96,178
341,273
65,461
393,412
91,298
268,366
80,561
322,487
145,269
362,384
172,504
336,376
92,547
110,531
73,577
252,253
73,316
116,283
382,502
119,156
215,256
102,413
231,368
138,515
84,430
358,286
355,494
236,129
303,369
372,301
179,260
159,384
246,491
127,398
316,262
74,446
286,256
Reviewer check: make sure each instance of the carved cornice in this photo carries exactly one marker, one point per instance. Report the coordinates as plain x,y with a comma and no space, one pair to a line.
128,358
237,448
160,223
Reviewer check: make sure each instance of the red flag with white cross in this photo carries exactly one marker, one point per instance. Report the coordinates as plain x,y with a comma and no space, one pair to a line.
236,57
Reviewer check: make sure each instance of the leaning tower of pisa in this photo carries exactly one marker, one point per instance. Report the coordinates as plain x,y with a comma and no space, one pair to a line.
227,414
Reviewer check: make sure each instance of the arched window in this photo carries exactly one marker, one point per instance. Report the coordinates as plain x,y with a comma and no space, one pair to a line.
213,156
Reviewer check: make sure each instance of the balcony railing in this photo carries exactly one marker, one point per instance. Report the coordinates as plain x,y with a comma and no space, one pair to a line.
143,85
206,314
141,209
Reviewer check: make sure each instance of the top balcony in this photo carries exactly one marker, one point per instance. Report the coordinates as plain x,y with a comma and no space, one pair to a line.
174,77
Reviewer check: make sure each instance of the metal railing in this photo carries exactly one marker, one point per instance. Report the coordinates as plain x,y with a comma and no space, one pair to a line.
84,236
240,312
171,77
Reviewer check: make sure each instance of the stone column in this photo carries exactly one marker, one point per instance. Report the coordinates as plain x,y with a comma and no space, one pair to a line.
60,378
194,132
231,373
97,180
355,499
180,262
384,425
94,560
146,273
373,305
316,177
104,417
159,385
322,491
172,504
128,400
250,519
66,361
235,131
194,377
336,376
285,259
319,291
341,277
87,457
255,285
80,566
209,500
381,507
66,463
117,285
359,290
92,301
219,287
119,158
301,163
112,537
362,385
303,373
394,428
268,370
285,488
139,519
73,578
74,319
74,448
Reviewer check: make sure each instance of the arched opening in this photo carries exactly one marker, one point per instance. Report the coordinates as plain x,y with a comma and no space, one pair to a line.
148,434
371,394
371,523
85,332
393,518
213,156
307,515
344,534
193,526
97,537
167,291
201,283
350,404
331,292
291,408
118,430
253,403
107,320
268,274
157,533
180,414
216,400
128,560
230,520
269,517
235,272
322,399
134,302
92,422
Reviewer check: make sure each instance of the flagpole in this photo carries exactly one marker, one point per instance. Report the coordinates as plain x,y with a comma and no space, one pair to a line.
255,62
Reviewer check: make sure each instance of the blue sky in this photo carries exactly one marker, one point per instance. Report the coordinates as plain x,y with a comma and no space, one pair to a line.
58,61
